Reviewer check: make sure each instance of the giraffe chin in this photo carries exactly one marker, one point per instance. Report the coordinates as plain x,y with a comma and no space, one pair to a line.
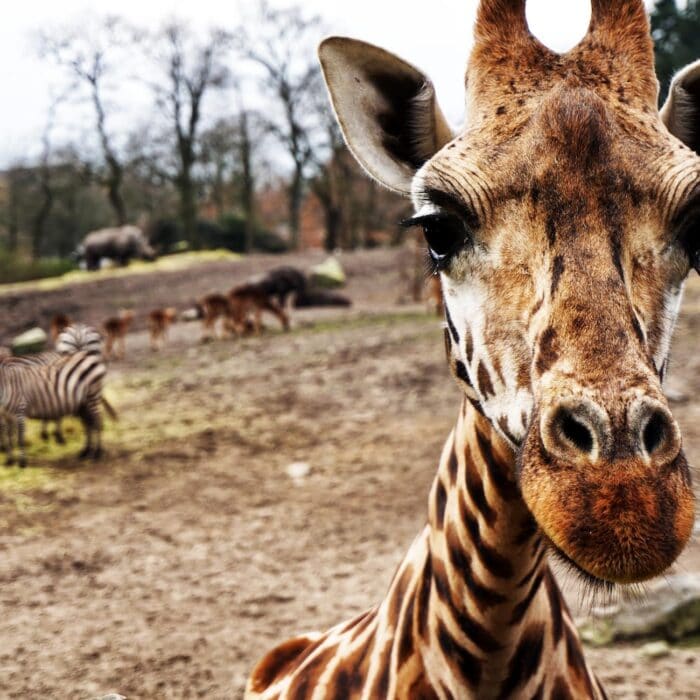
613,522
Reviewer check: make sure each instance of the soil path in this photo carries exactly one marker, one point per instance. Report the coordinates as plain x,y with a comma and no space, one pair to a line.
166,570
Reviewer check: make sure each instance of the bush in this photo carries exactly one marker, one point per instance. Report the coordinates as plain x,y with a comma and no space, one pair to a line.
17,269
164,235
263,241
229,233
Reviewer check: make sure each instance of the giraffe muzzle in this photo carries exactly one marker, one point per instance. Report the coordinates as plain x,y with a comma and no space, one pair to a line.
579,431
612,494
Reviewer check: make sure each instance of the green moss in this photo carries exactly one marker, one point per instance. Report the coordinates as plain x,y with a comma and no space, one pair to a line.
166,263
382,320
689,642
156,414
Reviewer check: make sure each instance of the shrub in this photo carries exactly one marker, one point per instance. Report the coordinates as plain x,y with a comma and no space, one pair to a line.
263,241
229,232
16,269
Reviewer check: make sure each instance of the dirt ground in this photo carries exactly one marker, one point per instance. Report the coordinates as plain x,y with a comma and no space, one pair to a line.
168,568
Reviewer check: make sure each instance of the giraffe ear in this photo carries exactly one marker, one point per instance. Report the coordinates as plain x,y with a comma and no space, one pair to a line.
386,109
681,112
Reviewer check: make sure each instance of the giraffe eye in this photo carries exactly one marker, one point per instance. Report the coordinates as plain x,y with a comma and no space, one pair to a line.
688,233
692,245
690,240
445,234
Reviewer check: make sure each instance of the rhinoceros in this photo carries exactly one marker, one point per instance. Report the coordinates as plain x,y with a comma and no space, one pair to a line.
120,244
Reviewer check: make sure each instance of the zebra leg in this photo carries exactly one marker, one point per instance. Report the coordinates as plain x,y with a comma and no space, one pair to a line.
87,449
4,430
97,449
94,406
8,424
20,440
58,433
90,416
45,430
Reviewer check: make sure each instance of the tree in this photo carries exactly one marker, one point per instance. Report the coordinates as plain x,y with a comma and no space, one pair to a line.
245,147
13,205
85,55
217,146
281,48
191,69
333,176
676,34
46,192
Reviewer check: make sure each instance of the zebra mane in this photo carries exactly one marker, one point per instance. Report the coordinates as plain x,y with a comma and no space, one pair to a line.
79,337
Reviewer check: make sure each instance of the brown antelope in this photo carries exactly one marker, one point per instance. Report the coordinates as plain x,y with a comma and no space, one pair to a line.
59,323
268,292
159,322
115,329
215,312
249,298
434,289
563,220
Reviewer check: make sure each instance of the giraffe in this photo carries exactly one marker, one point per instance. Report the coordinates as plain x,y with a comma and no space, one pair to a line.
563,221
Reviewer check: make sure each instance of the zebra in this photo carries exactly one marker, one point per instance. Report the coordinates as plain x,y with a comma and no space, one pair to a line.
69,340
54,385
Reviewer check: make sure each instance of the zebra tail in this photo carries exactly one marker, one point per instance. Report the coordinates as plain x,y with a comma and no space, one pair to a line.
109,408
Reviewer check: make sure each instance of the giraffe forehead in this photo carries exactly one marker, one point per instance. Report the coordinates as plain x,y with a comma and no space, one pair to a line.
571,141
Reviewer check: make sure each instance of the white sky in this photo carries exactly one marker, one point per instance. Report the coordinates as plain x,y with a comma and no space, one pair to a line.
433,34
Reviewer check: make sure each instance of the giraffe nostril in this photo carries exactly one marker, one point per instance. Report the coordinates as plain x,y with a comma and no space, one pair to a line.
574,431
655,432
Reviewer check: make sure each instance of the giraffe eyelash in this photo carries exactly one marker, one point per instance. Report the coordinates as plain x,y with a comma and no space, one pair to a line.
445,234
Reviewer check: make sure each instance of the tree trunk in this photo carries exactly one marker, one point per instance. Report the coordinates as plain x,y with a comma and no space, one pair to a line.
188,208
334,218
39,222
13,217
114,167
248,189
295,195
114,186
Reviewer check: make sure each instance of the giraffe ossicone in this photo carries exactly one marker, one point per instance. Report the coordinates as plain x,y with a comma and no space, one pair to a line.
563,220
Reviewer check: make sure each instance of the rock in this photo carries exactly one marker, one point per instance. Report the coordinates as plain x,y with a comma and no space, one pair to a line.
676,395
298,470
670,611
596,632
190,314
655,650
329,273
33,340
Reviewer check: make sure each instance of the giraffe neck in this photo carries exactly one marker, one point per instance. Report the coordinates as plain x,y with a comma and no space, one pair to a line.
473,610
486,550
486,616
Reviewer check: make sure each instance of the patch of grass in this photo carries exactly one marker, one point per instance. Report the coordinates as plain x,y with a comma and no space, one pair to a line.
156,413
166,263
691,642
382,320
25,489
14,269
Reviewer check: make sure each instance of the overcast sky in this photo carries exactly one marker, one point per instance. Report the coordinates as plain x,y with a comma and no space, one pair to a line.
435,35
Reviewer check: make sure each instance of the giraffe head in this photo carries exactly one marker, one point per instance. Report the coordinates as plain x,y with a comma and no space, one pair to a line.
563,219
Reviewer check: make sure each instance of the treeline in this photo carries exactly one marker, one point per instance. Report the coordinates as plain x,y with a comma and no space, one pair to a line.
204,139
676,31
223,138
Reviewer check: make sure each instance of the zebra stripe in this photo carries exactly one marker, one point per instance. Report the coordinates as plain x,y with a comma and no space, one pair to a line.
79,337
72,339
67,385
